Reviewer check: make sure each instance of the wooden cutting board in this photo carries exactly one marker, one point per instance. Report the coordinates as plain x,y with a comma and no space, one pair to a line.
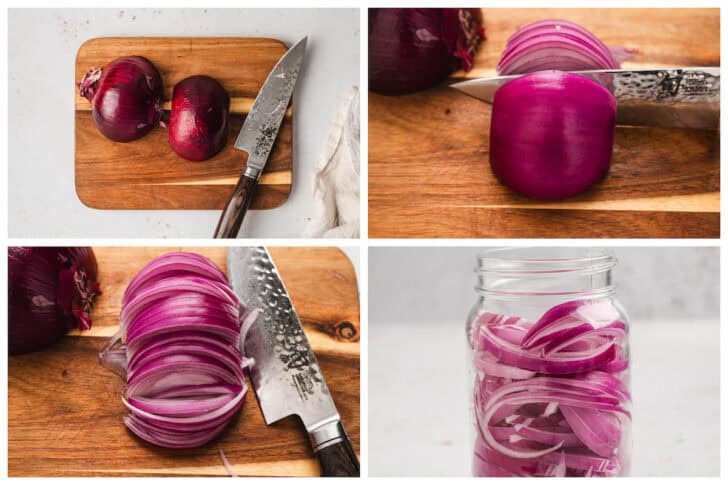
146,173
65,412
429,174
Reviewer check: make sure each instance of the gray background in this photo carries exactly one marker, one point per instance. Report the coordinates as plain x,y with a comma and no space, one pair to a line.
651,282
42,46
419,390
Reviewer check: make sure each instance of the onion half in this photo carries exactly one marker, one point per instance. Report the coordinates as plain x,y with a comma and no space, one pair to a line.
551,134
198,122
411,49
50,291
125,96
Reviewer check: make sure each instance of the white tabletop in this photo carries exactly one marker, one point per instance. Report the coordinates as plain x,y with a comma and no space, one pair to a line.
418,399
42,49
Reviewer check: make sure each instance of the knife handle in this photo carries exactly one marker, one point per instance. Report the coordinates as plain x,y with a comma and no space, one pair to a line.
337,456
234,213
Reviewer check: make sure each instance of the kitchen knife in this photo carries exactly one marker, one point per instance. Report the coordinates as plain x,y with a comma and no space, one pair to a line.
258,134
687,97
285,374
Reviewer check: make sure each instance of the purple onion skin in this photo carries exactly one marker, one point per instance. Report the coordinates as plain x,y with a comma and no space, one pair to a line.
198,124
411,49
50,291
551,134
126,100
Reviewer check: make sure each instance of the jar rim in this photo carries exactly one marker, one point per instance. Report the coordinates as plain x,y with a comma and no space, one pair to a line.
545,260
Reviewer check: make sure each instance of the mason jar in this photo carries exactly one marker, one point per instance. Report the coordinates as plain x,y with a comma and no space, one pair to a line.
549,360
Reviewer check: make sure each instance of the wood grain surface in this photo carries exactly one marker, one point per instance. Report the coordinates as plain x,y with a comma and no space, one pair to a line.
146,173
65,412
429,174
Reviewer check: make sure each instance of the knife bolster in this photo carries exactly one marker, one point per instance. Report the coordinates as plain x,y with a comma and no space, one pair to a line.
327,434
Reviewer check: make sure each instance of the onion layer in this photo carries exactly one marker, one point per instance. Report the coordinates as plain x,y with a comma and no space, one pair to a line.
126,97
198,123
411,49
551,134
182,327
50,291
565,412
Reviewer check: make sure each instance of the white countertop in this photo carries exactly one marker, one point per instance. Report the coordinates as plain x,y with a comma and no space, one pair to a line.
42,201
418,399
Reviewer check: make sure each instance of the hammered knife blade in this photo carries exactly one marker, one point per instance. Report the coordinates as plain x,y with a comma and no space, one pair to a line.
258,134
686,97
286,375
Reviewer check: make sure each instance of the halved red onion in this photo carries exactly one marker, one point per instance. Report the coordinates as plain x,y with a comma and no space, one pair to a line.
125,96
198,122
411,49
182,328
551,134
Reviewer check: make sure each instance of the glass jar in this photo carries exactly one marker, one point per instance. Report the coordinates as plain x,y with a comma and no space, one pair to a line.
550,365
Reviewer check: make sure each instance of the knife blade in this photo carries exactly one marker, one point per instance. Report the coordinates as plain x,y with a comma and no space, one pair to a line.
286,375
258,133
687,97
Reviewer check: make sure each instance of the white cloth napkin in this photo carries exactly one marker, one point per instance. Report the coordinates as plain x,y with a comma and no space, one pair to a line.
336,182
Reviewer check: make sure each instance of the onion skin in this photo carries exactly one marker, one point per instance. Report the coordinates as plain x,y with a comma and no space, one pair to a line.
551,134
126,97
411,49
198,124
50,291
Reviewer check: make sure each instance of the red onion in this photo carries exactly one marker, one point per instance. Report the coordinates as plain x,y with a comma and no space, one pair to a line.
563,412
551,134
182,327
554,44
198,123
411,49
126,97
50,291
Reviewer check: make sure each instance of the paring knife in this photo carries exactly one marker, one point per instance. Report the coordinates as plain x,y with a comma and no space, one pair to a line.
258,134
687,97
286,375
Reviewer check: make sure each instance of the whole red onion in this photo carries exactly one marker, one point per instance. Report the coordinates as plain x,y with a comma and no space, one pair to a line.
411,49
198,123
50,291
126,97
551,134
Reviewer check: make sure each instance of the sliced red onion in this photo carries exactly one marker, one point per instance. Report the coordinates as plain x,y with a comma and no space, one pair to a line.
551,131
551,397
551,134
183,328
554,44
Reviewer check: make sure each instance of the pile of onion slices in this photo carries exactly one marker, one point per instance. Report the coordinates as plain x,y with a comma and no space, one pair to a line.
182,328
551,397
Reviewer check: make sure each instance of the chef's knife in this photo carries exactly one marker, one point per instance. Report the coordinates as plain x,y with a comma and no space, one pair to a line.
687,97
258,134
285,374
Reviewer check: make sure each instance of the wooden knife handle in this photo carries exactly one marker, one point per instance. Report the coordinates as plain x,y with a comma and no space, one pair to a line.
338,459
234,213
